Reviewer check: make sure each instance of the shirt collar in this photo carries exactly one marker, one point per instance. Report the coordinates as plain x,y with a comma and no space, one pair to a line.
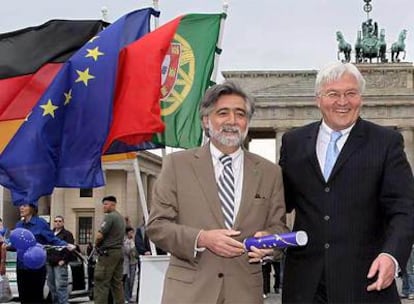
327,130
216,153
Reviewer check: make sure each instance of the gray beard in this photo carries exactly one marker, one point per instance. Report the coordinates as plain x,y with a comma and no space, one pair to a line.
235,140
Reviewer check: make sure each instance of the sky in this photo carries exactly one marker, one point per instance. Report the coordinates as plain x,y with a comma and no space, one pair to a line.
257,35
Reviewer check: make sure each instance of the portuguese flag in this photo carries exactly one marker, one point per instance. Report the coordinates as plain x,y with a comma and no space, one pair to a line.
29,60
171,65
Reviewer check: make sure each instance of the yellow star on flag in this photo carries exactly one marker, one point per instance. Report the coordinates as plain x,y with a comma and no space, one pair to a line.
94,53
84,76
68,97
49,108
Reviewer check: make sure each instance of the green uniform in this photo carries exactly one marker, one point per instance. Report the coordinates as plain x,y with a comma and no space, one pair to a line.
108,270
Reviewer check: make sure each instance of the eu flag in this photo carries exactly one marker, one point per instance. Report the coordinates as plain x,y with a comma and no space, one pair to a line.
60,143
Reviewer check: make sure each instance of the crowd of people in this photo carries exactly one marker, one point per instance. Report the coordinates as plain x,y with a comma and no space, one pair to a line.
347,179
113,261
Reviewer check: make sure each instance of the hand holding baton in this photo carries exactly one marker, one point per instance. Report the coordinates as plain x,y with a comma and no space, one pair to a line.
278,241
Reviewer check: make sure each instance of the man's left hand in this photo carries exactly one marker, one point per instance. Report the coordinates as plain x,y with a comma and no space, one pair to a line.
256,255
384,267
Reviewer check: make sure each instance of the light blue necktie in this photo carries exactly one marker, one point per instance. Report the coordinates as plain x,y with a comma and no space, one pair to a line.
332,153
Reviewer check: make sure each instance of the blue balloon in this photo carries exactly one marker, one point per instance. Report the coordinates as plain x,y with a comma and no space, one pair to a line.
34,257
22,239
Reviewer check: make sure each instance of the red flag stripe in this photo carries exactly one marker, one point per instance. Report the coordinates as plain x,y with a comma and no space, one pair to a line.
19,94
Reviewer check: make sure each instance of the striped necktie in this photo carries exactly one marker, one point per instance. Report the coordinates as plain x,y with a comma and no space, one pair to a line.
332,153
226,190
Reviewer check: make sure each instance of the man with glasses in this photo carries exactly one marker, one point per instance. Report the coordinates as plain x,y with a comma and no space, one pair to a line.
352,188
57,264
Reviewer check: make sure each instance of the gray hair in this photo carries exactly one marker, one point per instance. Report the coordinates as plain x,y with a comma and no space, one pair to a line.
226,88
335,71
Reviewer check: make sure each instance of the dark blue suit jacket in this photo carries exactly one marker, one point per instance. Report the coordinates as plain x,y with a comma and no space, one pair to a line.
365,208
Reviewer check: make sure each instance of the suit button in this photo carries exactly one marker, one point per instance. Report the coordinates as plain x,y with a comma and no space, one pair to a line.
326,217
326,245
327,189
220,275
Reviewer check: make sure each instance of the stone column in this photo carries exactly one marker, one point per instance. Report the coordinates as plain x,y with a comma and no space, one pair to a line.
100,194
131,198
408,135
290,217
57,203
278,137
144,177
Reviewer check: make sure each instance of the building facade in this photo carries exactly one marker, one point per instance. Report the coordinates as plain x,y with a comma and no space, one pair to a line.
82,208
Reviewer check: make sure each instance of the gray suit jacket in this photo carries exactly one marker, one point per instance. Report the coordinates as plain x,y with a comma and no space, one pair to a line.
186,200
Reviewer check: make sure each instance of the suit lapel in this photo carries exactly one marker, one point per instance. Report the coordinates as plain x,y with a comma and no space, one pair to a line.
355,139
251,178
310,149
204,171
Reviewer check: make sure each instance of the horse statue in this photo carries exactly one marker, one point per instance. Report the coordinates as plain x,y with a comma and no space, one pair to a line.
358,48
382,47
343,47
398,46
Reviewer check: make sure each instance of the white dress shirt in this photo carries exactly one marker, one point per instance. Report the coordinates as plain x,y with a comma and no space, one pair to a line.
323,139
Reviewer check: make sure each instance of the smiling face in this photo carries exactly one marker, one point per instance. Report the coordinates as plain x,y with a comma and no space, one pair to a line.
340,113
227,123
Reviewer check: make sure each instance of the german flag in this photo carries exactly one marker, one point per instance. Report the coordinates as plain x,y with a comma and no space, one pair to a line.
29,60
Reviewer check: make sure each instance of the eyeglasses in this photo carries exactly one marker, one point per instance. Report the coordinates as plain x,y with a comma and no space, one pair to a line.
336,96
58,221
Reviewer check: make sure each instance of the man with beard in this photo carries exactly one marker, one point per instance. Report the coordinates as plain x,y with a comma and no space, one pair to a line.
207,200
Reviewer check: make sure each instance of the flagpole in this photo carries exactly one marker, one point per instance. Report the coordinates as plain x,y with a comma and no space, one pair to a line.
156,4
142,198
217,54
104,12
218,47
